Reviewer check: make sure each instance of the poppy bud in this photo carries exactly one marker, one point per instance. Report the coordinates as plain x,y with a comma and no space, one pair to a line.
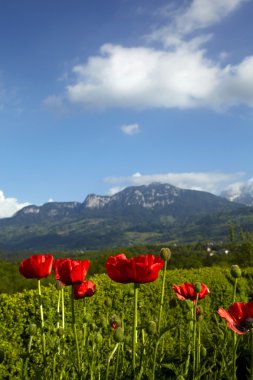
108,302
235,271
115,322
180,377
197,287
32,329
118,335
60,332
99,339
200,313
151,328
59,285
87,318
130,292
1,356
93,327
165,254
103,323
203,351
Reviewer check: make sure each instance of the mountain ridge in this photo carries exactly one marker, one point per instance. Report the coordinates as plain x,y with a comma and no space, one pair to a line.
137,214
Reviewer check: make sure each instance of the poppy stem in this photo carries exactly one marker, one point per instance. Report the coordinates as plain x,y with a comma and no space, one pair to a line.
251,354
42,326
198,346
190,330
62,309
58,309
134,333
75,333
234,334
109,360
162,297
234,290
194,336
159,316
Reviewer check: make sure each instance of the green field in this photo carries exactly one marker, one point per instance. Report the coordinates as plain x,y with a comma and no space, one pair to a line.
101,352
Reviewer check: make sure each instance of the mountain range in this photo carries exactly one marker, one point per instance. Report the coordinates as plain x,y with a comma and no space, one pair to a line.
136,215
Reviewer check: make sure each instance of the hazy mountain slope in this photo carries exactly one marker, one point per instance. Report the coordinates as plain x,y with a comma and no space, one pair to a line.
152,213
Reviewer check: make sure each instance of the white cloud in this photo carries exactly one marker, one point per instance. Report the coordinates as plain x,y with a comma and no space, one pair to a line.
178,74
198,15
114,190
235,190
130,129
146,78
9,206
212,182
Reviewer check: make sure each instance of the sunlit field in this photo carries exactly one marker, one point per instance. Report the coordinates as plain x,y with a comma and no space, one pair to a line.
139,320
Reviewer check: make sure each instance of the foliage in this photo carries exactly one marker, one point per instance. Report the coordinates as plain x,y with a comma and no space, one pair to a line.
96,337
194,255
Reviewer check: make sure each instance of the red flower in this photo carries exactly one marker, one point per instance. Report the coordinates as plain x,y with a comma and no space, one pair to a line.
141,269
71,272
239,316
187,291
85,289
37,266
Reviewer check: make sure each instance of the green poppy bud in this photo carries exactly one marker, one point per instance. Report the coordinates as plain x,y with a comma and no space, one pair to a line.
32,329
151,328
180,377
99,339
87,318
165,254
235,271
130,292
60,332
93,327
108,302
1,356
59,285
203,351
197,287
118,335
103,322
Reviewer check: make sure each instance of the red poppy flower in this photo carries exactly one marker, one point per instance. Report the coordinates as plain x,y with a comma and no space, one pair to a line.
71,272
239,316
140,269
85,289
187,291
37,266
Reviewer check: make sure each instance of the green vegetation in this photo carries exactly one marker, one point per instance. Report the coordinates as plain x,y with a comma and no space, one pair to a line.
197,255
102,350
97,339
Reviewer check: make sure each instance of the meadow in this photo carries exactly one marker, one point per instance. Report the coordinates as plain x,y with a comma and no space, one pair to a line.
175,339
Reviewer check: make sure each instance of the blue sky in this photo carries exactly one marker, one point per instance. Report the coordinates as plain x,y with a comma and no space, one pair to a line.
96,96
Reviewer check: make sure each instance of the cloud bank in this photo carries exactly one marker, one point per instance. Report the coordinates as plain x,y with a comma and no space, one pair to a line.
9,206
213,182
